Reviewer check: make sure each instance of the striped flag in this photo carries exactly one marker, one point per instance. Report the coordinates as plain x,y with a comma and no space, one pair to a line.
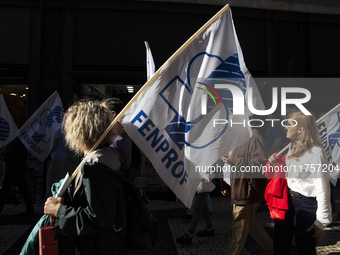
38,132
8,129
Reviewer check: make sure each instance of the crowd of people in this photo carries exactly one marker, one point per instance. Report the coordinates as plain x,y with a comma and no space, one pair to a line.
85,214
299,201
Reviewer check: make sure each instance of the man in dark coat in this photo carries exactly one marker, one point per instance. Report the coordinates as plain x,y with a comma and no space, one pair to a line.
247,191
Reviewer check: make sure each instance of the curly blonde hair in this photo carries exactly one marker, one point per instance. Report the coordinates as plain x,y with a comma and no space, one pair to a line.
84,123
309,136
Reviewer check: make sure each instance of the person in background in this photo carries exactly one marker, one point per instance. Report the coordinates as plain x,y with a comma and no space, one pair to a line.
15,174
247,192
85,215
122,142
58,166
275,134
187,217
309,189
200,207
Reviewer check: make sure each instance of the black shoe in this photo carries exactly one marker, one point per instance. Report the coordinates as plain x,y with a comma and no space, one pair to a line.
187,217
205,233
184,239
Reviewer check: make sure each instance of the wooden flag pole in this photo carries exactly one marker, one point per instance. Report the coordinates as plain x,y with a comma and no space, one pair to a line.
317,122
2,149
171,59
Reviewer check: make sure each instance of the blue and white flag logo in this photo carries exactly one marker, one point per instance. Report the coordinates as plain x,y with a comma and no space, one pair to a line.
227,72
38,133
42,126
8,129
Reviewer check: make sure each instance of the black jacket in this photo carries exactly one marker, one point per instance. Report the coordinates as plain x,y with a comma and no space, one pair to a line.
93,204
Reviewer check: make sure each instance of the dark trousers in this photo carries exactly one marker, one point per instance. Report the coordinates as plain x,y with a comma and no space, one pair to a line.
301,215
200,207
284,231
18,178
305,214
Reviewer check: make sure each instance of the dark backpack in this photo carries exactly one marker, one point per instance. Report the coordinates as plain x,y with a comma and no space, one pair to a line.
141,228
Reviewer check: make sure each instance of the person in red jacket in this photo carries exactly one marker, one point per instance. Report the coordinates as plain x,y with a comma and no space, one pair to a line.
280,205
309,189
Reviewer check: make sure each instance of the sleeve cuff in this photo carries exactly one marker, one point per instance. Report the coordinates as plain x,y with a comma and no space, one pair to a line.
321,225
60,215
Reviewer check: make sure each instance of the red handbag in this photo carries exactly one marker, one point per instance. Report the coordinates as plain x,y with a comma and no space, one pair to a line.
48,240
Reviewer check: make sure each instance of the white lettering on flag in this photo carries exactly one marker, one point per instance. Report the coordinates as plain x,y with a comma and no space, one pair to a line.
8,129
38,132
165,119
329,133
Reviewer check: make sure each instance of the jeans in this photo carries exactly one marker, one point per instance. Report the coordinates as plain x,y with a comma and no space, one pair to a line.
305,215
200,206
300,216
191,210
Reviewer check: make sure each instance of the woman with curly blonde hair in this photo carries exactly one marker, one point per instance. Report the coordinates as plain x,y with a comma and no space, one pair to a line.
85,215
308,183
84,123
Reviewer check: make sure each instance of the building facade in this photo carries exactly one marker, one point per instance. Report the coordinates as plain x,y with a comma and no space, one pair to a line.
96,48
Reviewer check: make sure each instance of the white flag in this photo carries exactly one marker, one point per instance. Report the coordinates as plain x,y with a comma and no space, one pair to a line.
183,117
150,64
8,129
329,132
38,132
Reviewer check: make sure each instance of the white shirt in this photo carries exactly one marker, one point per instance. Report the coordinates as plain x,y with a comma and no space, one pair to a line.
309,176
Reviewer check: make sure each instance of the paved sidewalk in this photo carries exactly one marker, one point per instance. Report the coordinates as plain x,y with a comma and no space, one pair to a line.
14,230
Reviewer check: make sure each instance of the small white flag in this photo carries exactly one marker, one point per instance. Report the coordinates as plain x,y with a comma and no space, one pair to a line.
150,64
329,132
8,129
38,132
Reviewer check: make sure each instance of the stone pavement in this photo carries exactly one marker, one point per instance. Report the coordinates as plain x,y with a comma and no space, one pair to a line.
14,230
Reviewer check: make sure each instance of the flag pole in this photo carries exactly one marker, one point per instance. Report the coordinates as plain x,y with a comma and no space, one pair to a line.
68,179
2,149
213,19
317,122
